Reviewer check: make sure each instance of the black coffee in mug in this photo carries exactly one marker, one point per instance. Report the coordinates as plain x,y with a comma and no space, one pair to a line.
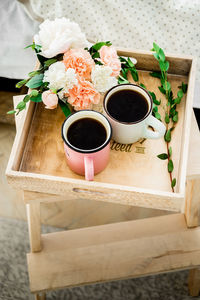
86,134
127,106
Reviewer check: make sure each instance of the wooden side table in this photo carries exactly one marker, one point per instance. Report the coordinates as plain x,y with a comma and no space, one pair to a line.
121,250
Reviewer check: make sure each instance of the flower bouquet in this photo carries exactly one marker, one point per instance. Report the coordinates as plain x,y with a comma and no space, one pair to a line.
72,72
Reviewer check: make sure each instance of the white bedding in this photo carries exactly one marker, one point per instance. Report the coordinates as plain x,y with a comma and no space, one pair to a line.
173,24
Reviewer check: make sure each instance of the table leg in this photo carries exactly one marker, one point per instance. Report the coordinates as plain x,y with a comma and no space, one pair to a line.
33,215
34,227
192,214
41,296
192,203
194,282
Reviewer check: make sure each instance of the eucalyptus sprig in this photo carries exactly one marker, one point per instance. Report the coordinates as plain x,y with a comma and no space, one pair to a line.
171,114
33,96
156,103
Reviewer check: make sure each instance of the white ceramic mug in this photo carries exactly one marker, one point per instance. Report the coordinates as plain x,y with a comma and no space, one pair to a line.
131,132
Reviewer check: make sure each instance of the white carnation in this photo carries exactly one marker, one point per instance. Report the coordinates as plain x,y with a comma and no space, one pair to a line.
59,78
56,76
71,79
58,36
101,78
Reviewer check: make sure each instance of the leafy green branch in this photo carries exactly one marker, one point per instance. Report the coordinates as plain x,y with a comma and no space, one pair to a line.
171,113
35,80
127,66
33,96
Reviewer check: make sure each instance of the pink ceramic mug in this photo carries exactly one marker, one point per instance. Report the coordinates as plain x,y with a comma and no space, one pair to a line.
92,161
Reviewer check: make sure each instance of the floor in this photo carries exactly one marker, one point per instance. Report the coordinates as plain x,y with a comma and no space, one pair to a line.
14,238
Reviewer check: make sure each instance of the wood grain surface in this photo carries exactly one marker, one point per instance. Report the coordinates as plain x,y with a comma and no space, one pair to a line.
137,165
112,252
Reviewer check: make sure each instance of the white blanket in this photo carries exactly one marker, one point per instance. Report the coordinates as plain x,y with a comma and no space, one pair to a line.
173,24
17,30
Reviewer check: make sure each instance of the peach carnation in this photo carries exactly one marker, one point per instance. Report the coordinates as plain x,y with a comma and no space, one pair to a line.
80,60
109,57
83,95
50,99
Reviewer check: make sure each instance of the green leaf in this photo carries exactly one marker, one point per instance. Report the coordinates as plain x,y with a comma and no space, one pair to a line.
44,85
156,56
49,62
155,101
184,87
134,75
172,112
124,72
161,54
37,98
131,64
158,116
173,183
168,136
11,112
96,55
98,46
163,156
156,47
21,105
153,96
35,81
35,47
122,81
155,108
166,118
180,94
142,85
170,166
177,100
162,65
170,151
175,118
41,59
97,62
65,108
166,86
33,73
26,98
166,66
172,128
34,93
122,59
21,83
155,74
162,90
29,46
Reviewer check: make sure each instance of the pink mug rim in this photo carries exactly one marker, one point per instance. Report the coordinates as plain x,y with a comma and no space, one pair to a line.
90,150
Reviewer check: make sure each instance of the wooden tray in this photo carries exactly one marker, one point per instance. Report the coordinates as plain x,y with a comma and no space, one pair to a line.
134,175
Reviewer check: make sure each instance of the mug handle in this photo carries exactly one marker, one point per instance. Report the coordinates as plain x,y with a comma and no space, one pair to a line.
157,125
89,168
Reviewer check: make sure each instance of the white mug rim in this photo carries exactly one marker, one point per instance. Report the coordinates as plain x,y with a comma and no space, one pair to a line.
133,85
